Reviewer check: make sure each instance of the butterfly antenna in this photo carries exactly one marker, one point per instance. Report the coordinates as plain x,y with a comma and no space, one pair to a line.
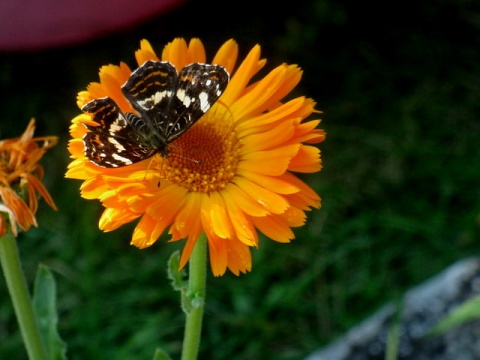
148,168
187,158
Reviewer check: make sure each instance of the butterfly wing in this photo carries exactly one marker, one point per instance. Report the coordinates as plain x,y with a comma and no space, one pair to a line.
199,86
114,142
149,90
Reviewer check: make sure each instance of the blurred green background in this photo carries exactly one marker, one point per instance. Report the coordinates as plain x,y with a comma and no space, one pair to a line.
398,84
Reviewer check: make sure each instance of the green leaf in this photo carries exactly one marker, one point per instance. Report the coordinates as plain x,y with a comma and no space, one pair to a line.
177,277
178,281
161,355
44,303
468,311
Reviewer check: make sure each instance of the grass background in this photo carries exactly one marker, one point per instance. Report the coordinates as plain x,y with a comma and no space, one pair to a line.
399,87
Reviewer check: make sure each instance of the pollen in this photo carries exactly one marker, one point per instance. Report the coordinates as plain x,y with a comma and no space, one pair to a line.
205,158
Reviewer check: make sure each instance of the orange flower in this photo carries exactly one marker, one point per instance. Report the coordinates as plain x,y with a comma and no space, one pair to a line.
20,176
230,175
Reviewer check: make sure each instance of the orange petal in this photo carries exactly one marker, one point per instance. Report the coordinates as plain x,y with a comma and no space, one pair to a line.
275,228
253,102
247,69
146,232
245,202
307,160
306,198
278,184
161,209
227,55
187,222
242,225
177,53
274,136
112,84
37,185
294,217
112,219
217,247
292,77
187,251
168,200
239,258
76,148
213,211
271,201
23,216
289,110
269,162
93,188
306,132
145,53
196,51
76,170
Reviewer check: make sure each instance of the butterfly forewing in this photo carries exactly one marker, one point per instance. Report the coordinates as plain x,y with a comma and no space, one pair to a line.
167,105
199,87
150,90
114,142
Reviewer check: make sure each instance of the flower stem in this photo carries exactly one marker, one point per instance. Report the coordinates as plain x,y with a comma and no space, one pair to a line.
22,303
196,292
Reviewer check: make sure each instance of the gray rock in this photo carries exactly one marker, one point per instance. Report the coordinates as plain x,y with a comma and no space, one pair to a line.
423,307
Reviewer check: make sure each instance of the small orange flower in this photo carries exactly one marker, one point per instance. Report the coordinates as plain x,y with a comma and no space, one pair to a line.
20,177
230,175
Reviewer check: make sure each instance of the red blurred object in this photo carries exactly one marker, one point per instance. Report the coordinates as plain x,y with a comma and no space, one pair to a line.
39,24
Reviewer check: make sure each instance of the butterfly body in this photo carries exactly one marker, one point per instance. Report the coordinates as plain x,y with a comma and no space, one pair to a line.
167,104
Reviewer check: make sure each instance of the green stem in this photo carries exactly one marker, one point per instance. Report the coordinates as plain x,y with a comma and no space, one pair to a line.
196,292
22,303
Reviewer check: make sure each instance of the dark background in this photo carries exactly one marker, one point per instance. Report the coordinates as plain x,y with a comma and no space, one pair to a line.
398,84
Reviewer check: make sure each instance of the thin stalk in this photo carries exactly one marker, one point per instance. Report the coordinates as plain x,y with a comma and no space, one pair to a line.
196,293
22,303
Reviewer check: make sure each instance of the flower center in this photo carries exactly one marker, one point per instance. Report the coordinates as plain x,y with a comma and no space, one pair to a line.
205,158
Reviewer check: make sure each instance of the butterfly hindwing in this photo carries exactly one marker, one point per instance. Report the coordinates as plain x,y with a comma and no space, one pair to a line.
114,142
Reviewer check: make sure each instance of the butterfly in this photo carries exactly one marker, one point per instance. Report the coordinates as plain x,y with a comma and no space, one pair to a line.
167,105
